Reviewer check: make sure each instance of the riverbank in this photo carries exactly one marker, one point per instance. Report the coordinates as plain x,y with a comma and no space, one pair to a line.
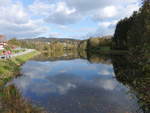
10,68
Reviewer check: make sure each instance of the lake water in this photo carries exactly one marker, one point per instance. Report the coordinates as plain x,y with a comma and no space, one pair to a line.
75,85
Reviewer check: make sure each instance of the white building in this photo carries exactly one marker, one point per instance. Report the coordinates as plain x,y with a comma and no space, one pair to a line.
1,47
2,42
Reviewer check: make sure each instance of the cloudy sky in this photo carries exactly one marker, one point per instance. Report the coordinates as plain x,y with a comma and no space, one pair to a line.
62,18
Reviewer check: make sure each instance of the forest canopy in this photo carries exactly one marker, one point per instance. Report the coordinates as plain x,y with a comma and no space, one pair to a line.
133,33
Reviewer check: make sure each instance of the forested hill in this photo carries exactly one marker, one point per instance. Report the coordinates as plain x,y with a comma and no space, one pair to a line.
51,39
44,43
133,33
44,39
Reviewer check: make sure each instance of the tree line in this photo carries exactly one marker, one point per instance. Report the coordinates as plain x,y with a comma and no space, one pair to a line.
91,44
133,33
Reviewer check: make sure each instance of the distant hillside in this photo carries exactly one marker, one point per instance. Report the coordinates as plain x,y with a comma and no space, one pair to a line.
44,39
50,44
43,43
107,37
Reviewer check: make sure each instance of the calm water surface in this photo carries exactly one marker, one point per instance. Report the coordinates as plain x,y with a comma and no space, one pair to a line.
75,86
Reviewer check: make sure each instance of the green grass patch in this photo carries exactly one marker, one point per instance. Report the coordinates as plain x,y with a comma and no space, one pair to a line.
11,67
18,51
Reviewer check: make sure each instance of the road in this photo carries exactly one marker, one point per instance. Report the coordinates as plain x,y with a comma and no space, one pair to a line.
21,53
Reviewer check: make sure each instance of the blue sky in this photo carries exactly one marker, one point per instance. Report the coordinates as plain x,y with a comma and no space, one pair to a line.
78,19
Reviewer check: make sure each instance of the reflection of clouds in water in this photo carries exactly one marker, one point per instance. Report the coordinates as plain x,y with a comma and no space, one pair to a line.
106,72
38,69
91,68
47,88
107,84
53,84
61,83
52,88
60,77
62,71
23,83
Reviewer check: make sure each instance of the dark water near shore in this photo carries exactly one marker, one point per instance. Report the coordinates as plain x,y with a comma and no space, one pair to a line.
70,83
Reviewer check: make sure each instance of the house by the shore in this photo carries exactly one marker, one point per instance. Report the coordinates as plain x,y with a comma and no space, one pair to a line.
3,42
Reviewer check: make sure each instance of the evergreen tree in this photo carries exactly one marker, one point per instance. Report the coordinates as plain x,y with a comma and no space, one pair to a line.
134,33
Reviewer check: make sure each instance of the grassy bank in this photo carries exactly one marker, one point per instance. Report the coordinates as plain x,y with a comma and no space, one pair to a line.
11,101
11,67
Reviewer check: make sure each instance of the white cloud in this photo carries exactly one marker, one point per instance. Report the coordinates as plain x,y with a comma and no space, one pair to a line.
40,8
58,13
105,13
13,13
63,8
115,12
104,28
54,34
107,24
21,20
4,2
109,11
62,14
88,5
15,21
108,17
128,10
71,11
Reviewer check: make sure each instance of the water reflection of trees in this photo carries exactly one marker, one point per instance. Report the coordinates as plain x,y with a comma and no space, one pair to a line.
74,54
11,101
57,55
134,71
99,58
